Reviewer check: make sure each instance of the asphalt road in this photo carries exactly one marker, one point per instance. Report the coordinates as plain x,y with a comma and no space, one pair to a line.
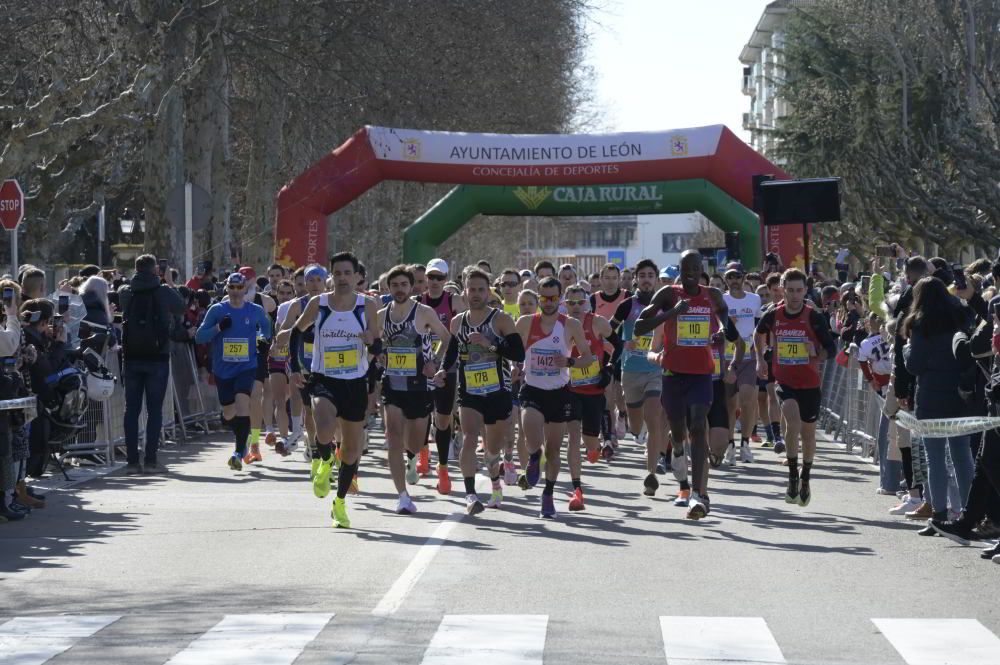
209,566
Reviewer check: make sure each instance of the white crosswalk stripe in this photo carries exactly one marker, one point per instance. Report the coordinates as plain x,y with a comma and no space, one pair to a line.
35,640
254,639
691,640
474,638
941,641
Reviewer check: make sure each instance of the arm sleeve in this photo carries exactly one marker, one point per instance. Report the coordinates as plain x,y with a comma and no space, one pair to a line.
623,309
205,332
450,354
294,347
823,334
511,347
731,331
616,341
876,295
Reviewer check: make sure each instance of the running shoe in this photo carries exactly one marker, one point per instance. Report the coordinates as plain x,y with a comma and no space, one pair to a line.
307,453
321,481
779,447
444,481
696,511
683,498
481,447
424,466
548,510
805,495
792,493
411,471
922,512
405,505
270,438
650,485
990,552
509,473
533,472
522,482
746,455
643,437
473,506
236,462
953,530
281,447
620,426
755,438
730,454
661,464
313,466
593,456
355,487
881,491
608,451
339,514
909,504
767,444
576,500
253,455
715,461
496,498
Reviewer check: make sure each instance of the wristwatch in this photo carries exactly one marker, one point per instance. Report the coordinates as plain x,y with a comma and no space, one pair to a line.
493,348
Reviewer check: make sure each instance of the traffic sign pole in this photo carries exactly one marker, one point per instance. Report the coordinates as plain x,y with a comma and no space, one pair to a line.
13,253
188,231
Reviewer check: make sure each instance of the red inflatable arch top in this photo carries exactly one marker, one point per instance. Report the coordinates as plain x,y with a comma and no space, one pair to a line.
375,154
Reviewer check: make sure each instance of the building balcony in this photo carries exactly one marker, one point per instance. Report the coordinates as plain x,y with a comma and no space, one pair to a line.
748,86
748,121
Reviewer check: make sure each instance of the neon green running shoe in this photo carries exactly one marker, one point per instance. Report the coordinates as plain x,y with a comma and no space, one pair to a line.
314,465
321,479
339,514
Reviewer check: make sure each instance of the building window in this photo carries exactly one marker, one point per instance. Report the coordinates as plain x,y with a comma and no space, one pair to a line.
674,243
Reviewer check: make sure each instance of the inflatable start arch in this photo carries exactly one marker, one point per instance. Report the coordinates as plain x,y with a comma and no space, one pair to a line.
711,154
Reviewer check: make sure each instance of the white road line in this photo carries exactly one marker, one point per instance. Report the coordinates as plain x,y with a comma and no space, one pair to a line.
485,639
706,640
254,639
34,640
396,594
941,641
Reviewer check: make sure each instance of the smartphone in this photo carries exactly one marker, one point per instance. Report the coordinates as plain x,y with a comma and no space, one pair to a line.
164,265
958,275
63,304
884,250
866,280
8,296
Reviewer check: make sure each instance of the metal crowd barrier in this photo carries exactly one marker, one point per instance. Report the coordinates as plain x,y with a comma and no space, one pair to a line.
850,410
189,407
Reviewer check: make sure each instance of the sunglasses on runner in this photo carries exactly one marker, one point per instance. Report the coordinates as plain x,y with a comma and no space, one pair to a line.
511,285
575,302
436,277
548,298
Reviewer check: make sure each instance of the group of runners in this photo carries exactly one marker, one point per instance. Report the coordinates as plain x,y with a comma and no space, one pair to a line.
513,366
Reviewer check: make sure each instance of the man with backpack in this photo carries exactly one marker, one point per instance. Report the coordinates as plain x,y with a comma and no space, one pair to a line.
150,307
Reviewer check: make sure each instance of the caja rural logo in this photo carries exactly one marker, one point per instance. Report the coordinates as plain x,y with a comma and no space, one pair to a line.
532,197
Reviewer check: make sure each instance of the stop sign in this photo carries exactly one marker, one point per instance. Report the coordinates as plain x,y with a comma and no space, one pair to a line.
11,205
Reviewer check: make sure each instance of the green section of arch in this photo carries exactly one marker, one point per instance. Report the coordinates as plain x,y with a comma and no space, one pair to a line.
422,238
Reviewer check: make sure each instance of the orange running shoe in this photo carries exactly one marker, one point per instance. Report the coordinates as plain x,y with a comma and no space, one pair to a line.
424,464
270,438
253,455
576,500
594,455
444,482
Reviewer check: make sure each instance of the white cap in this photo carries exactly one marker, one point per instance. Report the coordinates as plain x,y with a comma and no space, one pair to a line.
437,265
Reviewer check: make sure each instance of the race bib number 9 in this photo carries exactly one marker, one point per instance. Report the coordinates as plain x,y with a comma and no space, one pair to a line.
793,353
235,350
339,360
585,376
693,330
481,378
402,361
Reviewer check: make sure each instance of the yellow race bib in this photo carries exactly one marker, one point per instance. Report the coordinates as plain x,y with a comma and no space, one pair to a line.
340,360
718,363
401,361
481,378
643,344
693,330
730,350
435,345
281,355
235,350
585,376
793,353
307,350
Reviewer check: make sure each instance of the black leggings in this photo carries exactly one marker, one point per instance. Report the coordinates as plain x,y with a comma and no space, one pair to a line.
984,497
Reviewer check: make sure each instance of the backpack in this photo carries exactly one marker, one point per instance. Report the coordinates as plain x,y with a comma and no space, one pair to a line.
144,333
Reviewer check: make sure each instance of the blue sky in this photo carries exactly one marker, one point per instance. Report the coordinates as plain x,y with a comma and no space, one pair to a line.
665,64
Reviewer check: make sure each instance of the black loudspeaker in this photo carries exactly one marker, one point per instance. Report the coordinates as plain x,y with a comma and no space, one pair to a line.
800,201
733,246
757,181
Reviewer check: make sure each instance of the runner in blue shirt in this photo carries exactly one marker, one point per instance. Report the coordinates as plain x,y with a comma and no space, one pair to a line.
232,328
